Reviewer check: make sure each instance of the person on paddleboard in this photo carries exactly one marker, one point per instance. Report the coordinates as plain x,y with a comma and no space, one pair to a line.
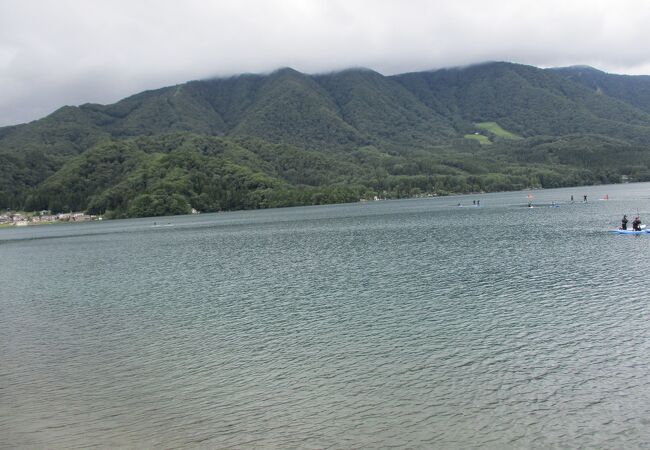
624,223
636,225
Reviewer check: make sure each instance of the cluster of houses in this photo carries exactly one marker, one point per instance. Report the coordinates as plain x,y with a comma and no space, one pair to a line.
21,219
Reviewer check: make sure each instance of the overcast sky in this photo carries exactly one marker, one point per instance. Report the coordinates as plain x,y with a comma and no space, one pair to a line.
69,52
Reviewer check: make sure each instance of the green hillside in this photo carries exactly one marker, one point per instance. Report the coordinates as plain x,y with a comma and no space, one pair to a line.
383,111
292,108
481,139
169,174
631,89
287,138
527,101
495,129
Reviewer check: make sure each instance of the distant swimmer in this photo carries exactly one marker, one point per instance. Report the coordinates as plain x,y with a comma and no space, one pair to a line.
572,199
584,198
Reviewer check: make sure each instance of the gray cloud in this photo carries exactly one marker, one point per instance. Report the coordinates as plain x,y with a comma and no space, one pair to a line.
78,51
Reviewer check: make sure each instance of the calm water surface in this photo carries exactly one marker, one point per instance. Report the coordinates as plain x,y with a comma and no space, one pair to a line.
411,324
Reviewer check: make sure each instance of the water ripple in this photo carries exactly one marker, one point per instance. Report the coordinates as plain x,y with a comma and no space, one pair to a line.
404,324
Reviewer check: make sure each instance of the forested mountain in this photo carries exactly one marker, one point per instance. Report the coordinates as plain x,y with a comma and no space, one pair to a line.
288,138
632,89
528,101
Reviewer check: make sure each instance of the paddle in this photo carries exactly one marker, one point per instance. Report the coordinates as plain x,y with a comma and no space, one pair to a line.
641,227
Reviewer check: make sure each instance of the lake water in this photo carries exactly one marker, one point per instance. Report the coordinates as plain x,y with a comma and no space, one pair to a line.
410,324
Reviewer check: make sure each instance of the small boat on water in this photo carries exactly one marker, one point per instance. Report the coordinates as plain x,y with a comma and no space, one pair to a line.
643,230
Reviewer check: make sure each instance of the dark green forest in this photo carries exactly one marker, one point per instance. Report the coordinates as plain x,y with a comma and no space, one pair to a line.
286,138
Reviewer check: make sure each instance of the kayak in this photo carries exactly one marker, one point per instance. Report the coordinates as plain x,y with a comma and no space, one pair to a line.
643,231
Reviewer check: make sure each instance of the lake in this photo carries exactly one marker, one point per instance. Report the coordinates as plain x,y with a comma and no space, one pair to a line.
409,324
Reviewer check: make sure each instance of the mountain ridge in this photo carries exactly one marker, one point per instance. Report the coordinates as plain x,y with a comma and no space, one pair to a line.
407,128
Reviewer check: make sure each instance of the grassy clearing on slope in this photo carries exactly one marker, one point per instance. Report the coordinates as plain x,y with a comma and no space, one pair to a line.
483,140
496,130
